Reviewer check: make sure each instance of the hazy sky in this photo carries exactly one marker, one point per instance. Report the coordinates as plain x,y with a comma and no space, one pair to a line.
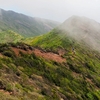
58,10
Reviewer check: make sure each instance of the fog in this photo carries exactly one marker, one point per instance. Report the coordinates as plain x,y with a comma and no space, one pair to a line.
83,29
0,14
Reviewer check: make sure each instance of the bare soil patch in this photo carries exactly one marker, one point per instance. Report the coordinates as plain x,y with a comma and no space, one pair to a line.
47,55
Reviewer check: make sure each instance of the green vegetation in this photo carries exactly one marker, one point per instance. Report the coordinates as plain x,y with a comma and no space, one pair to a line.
53,40
10,36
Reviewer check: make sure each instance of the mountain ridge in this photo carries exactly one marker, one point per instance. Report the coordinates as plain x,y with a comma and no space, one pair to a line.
82,29
25,25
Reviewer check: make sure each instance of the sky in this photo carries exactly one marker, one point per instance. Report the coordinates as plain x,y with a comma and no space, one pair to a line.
58,10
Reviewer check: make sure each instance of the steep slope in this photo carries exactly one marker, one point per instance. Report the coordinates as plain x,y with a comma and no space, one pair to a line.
25,25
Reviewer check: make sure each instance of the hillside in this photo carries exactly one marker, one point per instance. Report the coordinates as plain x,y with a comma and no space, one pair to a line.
26,73
10,36
25,25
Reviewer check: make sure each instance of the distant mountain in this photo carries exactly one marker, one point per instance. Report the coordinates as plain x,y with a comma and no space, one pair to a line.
25,25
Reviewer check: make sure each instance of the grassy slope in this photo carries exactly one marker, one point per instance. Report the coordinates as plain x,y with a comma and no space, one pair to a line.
10,36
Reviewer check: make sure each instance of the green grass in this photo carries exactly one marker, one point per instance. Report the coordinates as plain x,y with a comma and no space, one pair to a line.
10,36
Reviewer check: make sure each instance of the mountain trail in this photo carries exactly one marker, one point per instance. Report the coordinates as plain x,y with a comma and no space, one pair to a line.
1,55
47,55
5,92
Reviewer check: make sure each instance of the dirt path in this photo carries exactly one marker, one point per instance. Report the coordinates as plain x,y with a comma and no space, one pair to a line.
38,52
49,55
1,55
5,92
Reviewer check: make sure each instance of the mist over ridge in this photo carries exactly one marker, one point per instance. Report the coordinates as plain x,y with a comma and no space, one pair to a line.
82,29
